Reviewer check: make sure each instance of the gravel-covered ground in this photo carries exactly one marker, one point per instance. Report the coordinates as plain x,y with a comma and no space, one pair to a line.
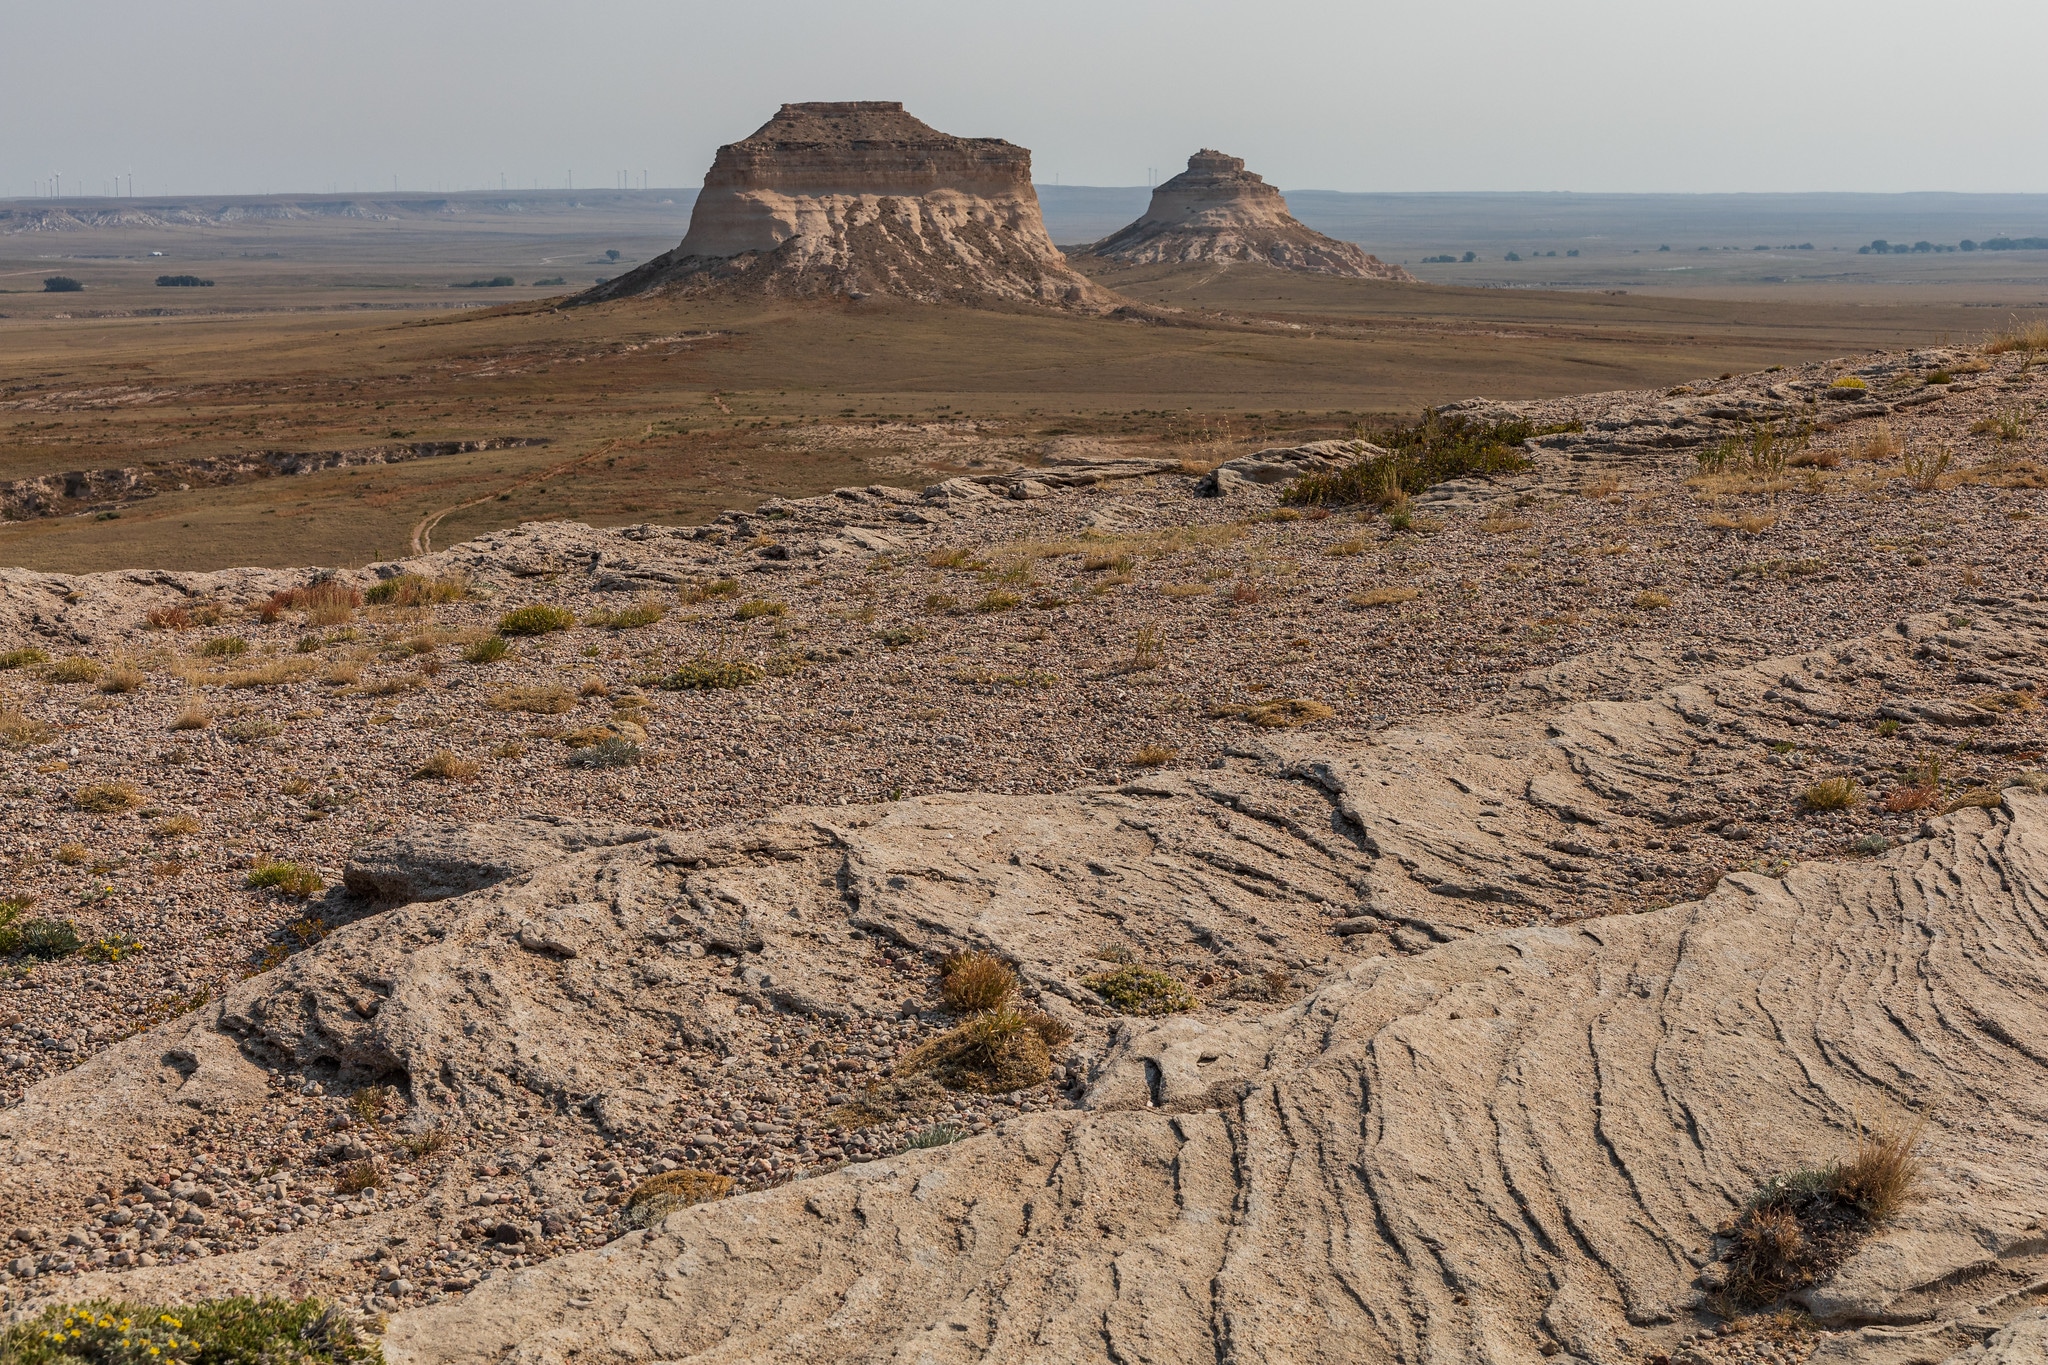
1007,644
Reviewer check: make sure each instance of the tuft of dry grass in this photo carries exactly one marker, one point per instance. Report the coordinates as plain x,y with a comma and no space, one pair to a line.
1749,523
551,699
1282,713
1651,600
193,715
658,1196
121,676
1185,590
176,827
756,607
72,670
358,1176
1500,523
2030,337
447,766
21,731
1878,446
1383,597
106,798
1831,793
1152,756
997,1051
976,981
416,590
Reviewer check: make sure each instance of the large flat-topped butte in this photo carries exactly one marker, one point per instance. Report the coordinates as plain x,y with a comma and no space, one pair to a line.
862,198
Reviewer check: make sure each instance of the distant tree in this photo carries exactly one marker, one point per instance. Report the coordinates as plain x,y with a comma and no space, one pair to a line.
1664,248
182,281
1573,252
612,254
61,284
1511,256
1967,245
1470,257
552,279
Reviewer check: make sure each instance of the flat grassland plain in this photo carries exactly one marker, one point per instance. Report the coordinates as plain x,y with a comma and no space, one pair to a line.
372,327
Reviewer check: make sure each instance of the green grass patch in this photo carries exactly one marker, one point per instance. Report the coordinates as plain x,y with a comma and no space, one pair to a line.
236,1331
1132,989
535,620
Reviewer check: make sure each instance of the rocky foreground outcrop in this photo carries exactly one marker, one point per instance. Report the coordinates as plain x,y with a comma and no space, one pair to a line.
1218,212
862,198
1500,1123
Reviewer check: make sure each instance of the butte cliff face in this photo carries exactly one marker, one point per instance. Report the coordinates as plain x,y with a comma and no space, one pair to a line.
1216,210
862,198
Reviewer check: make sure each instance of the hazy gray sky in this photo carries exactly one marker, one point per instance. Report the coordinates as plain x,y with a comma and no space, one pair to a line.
241,96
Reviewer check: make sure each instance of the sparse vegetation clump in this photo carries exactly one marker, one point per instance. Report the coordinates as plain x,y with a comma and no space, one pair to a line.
709,672
550,699
416,590
19,731
1281,713
995,1052
611,752
106,798
626,618
976,981
1132,989
1831,793
236,1331
23,658
1153,756
658,1196
75,669
446,765
488,650
1417,456
756,607
326,603
539,619
291,879
1798,1227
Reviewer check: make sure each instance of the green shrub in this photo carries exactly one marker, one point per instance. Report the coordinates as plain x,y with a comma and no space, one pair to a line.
238,1331
293,879
1428,452
708,673
895,636
1849,381
1141,990
627,618
535,620
488,650
48,939
61,284
757,606
23,658
606,753
226,647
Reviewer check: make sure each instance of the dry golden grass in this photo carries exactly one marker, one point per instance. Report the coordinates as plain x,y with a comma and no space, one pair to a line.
976,981
1282,713
2029,336
1383,597
20,731
121,676
1344,548
193,715
658,1196
1185,590
447,766
1652,600
547,700
1749,523
1831,793
1880,445
1500,523
106,798
1152,756
176,827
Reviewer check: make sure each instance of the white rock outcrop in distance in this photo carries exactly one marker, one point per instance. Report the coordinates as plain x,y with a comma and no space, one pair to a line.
1218,211
861,197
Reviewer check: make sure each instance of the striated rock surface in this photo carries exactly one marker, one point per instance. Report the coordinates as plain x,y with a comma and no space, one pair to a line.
1493,1124
862,198
1217,211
